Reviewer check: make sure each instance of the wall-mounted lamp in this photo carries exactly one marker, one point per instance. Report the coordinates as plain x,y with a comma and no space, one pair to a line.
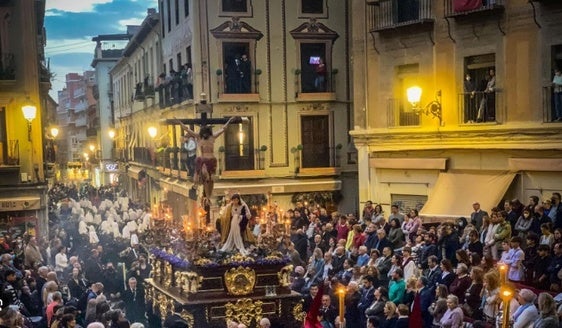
111,134
54,132
152,131
29,111
434,108
92,148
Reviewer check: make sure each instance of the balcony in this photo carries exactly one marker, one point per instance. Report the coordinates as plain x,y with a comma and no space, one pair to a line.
400,114
456,8
479,107
173,92
7,67
91,132
143,155
393,14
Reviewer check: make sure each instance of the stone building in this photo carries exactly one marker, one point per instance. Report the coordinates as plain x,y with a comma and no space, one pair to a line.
285,66
489,138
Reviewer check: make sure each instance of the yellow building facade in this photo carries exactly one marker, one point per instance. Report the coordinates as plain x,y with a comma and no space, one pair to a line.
490,137
24,84
284,66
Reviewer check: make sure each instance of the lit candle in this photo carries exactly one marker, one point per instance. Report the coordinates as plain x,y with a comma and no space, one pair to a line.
502,267
341,298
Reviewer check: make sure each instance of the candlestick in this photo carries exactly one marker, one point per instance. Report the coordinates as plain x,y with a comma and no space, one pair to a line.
341,297
503,272
124,276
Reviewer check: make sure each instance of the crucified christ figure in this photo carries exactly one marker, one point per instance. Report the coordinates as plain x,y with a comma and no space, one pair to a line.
206,162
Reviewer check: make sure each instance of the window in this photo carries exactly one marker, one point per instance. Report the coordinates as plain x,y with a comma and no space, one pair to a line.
313,67
177,11
237,47
188,54
171,65
239,146
315,139
479,95
400,109
314,43
169,13
236,6
312,6
179,61
186,7
237,67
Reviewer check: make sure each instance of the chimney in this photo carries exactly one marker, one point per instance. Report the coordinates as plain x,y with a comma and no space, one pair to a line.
150,11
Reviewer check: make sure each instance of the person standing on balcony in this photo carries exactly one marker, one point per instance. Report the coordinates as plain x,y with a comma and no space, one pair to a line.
487,109
557,93
469,99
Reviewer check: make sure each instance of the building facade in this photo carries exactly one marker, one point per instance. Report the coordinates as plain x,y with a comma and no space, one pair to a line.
485,128
24,86
285,66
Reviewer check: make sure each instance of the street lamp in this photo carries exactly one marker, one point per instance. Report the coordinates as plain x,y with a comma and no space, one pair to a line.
434,108
54,132
152,132
29,111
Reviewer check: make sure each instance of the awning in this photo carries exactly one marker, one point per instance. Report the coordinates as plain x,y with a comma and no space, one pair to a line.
454,193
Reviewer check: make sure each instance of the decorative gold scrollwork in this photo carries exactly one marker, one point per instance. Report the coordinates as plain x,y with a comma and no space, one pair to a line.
168,274
244,311
185,315
192,282
156,269
240,280
162,305
298,312
284,275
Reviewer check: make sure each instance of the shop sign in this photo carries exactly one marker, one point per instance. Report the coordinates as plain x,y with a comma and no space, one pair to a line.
17,204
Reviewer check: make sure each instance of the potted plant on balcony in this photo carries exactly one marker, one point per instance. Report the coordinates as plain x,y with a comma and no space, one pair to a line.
257,74
218,72
297,79
296,157
262,151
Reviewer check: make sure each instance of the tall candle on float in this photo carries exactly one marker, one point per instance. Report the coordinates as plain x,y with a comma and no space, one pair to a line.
341,298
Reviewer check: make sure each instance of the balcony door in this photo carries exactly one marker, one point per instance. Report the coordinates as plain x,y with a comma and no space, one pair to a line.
315,134
239,146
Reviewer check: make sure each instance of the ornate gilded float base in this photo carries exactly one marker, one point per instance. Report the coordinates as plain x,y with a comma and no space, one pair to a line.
215,308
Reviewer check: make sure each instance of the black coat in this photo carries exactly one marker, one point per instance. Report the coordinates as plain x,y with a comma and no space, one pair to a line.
134,305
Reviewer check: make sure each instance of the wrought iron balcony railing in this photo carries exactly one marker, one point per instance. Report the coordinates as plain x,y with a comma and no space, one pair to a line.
391,14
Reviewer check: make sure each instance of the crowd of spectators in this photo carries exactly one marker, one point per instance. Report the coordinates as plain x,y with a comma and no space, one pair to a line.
89,272
399,271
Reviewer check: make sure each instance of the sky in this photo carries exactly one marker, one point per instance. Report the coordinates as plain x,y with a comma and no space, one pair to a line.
71,24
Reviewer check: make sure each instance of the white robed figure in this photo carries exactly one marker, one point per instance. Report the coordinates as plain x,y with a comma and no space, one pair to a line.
233,226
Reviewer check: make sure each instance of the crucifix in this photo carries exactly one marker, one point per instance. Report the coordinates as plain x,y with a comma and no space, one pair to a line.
206,162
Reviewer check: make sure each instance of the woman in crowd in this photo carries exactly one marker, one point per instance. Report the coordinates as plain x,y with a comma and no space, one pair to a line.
376,310
547,309
473,298
453,317
396,235
447,275
396,261
390,315
378,215
490,296
439,307
77,284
